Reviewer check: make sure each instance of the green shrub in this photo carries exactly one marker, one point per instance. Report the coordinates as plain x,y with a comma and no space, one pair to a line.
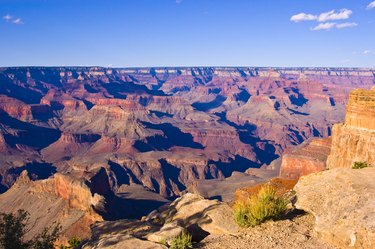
184,241
73,242
259,208
163,242
360,165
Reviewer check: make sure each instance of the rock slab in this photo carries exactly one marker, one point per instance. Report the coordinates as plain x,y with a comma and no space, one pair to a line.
343,203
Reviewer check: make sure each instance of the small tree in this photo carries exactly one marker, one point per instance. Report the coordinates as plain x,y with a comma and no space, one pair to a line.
47,238
13,230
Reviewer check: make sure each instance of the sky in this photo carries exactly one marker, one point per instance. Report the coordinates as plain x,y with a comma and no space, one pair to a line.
171,33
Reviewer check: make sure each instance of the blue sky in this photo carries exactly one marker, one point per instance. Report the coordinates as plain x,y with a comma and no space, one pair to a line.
133,33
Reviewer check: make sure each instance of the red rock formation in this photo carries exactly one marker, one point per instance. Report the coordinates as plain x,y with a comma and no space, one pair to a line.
15,108
354,141
308,158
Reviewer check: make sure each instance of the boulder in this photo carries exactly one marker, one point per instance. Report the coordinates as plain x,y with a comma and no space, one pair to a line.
167,233
121,241
198,215
343,203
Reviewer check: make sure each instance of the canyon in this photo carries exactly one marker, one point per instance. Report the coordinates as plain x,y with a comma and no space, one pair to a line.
89,143
163,128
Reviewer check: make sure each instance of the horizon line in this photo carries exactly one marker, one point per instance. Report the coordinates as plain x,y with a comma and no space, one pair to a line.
205,67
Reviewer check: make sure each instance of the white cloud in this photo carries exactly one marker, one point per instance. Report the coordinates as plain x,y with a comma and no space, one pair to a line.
303,17
11,19
17,21
327,20
7,18
325,26
323,17
333,15
179,1
346,25
371,5
331,25
367,52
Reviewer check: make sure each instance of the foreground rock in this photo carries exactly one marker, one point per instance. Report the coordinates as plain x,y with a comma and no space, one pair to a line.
343,203
191,213
124,242
354,140
198,215
297,233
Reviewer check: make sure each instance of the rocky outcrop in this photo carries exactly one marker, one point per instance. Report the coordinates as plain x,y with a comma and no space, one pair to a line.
354,141
190,213
60,199
198,215
307,158
123,242
343,203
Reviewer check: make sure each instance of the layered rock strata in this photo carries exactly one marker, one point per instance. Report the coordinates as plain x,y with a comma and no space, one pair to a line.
308,158
354,140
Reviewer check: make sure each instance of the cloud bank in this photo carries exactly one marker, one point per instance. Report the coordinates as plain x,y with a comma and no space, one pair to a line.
327,20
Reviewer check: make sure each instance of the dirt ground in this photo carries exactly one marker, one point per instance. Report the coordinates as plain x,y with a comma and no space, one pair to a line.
294,233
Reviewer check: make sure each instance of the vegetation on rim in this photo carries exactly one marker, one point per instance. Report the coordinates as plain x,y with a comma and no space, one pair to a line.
266,205
183,241
360,165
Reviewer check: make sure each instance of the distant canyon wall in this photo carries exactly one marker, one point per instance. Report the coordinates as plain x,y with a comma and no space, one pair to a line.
163,128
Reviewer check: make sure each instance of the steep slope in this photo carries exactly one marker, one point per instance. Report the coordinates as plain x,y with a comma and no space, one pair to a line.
354,141
58,200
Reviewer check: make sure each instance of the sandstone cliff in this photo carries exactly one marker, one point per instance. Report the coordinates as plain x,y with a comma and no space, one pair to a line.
60,199
354,141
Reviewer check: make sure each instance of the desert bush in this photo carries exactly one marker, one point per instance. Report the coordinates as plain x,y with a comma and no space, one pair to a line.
73,242
360,165
183,241
13,230
259,208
